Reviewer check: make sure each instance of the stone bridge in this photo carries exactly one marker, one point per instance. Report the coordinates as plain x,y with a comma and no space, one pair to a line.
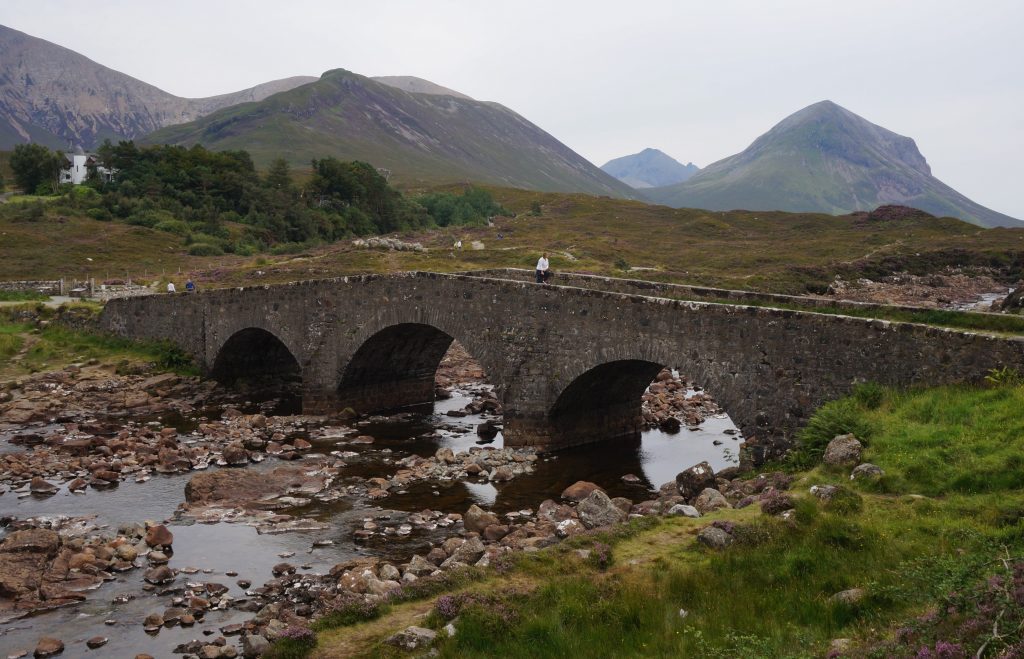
569,362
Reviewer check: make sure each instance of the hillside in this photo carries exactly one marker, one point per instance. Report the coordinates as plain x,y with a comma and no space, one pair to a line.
825,159
416,85
53,95
650,168
422,138
774,251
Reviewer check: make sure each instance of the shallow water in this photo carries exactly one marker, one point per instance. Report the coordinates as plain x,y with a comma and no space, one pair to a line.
655,458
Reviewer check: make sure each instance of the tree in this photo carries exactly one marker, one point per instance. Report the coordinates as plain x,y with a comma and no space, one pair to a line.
279,176
34,165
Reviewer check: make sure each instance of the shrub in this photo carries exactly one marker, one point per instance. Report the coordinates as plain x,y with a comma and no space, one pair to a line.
349,611
844,501
173,226
101,214
838,417
205,249
869,395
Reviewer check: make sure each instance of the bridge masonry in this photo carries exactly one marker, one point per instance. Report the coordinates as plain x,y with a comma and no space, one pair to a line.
569,364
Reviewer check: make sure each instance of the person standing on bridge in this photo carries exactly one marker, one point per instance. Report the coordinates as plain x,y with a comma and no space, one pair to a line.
170,287
543,269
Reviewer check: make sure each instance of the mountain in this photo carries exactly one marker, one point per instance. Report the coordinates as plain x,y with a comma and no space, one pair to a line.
650,168
825,158
418,86
422,138
54,96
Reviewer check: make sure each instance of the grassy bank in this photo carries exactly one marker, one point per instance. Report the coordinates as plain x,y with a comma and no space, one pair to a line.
36,338
943,519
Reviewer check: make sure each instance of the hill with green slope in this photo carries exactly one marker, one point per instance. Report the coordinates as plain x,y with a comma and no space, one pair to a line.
421,138
650,168
825,159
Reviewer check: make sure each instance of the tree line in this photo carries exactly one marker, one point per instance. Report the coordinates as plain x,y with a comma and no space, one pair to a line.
218,201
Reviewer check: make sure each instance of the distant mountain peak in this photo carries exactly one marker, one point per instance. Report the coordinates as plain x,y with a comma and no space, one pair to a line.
649,168
824,158
52,95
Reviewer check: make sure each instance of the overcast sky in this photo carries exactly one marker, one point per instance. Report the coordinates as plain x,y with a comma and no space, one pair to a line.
699,80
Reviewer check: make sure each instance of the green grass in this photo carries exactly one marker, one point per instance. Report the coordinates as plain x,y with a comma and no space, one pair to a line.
950,505
22,296
57,345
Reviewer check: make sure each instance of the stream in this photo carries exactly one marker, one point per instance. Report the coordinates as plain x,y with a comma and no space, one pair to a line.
207,552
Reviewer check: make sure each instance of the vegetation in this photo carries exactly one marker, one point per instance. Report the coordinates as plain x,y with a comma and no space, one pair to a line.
36,168
217,203
934,545
22,296
27,348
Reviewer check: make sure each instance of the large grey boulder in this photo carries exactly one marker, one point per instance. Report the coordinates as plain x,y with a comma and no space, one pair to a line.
598,510
714,537
843,451
710,500
477,519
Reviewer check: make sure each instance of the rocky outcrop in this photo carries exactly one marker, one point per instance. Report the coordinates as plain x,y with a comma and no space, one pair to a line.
843,451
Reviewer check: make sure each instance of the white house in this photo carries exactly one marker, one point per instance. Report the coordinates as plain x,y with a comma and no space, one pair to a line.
77,165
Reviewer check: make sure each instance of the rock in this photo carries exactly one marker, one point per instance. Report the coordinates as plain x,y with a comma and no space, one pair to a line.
866,471
240,486
598,510
502,474
209,652
839,646
24,556
48,647
127,552
487,430
254,645
412,638
235,454
96,642
159,536
849,597
843,451
436,556
445,455
283,568
77,485
691,482
159,575
568,528
714,537
389,572
477,519
682,510
153,622
774,502
580,490
670,425
420,567
40,486
495,532
824,492
551,511
469,552
710,500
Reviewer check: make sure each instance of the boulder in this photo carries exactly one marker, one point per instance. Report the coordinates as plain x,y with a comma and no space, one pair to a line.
158,535
682,510
235,454
714,537
469,552
445,455
598,510
710,500
551,511
580,490
849,597
48,647
254,645
420,567
40,486
866,471
693,481
412,638
843,451
159,575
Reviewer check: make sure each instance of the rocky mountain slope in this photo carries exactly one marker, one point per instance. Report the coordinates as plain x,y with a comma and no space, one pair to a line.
53,95
421,137
825,158
419,86
650,168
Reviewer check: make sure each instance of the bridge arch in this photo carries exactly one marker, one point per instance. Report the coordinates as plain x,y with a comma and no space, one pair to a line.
604,401
254,353
394,367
